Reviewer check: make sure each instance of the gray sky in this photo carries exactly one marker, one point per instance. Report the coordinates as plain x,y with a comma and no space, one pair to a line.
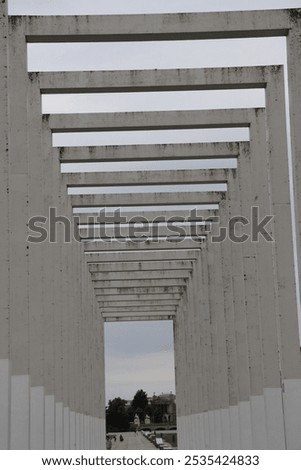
140,355
86,7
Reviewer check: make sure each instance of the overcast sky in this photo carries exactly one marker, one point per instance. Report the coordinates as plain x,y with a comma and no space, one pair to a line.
86,7
140,355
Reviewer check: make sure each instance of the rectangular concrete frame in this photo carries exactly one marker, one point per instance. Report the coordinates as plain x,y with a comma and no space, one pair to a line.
222,25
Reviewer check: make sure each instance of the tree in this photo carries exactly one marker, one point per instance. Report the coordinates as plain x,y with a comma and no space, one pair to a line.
140,404
116,416
157,414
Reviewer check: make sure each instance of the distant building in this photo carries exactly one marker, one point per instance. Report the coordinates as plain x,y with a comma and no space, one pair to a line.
164,405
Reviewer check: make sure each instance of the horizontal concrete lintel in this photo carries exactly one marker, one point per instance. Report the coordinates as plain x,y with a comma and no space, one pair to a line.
129,257
147,178
150,152
138,290
178,215
144,199
141,317
123,81
140,266
142,27
133,303
141,283
139,89
120,298
154,120
148,245
163,232
142,308
165,274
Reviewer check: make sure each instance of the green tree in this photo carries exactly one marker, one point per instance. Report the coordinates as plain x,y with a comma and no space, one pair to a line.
139,404
157,414
117,419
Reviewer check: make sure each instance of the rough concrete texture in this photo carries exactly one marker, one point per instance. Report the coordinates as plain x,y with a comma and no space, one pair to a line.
233,305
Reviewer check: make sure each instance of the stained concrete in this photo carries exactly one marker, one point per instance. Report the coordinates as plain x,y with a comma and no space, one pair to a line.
234,308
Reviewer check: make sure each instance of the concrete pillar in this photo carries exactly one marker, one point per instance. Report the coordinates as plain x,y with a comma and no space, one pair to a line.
288,311
258,194
216,292
51,293
230,332
294,91
19,249
4,246
210,398
36,269
198,339
180,373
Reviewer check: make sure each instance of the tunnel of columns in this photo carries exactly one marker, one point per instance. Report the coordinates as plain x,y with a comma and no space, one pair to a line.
183,239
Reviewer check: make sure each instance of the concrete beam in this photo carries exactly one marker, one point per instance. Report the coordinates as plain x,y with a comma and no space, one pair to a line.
132,275
120,298
123,81
144,199
148,245
177,215
147,232
128,256
138,290
133,303
145,178
140,308
158,27
140,283
148,152
139,317
155,120
140,266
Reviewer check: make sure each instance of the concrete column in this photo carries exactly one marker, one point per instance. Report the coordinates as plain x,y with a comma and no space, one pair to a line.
217,308
198,334
19,249
254,184
230,332
214,295
189,402
36,269
246,348
4,246
51,291
288,311
180,372
294,90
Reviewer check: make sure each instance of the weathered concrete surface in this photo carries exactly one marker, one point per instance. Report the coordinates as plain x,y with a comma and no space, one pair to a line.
168,26
236,326
140,266
143,199
154,120
149,152
146,177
